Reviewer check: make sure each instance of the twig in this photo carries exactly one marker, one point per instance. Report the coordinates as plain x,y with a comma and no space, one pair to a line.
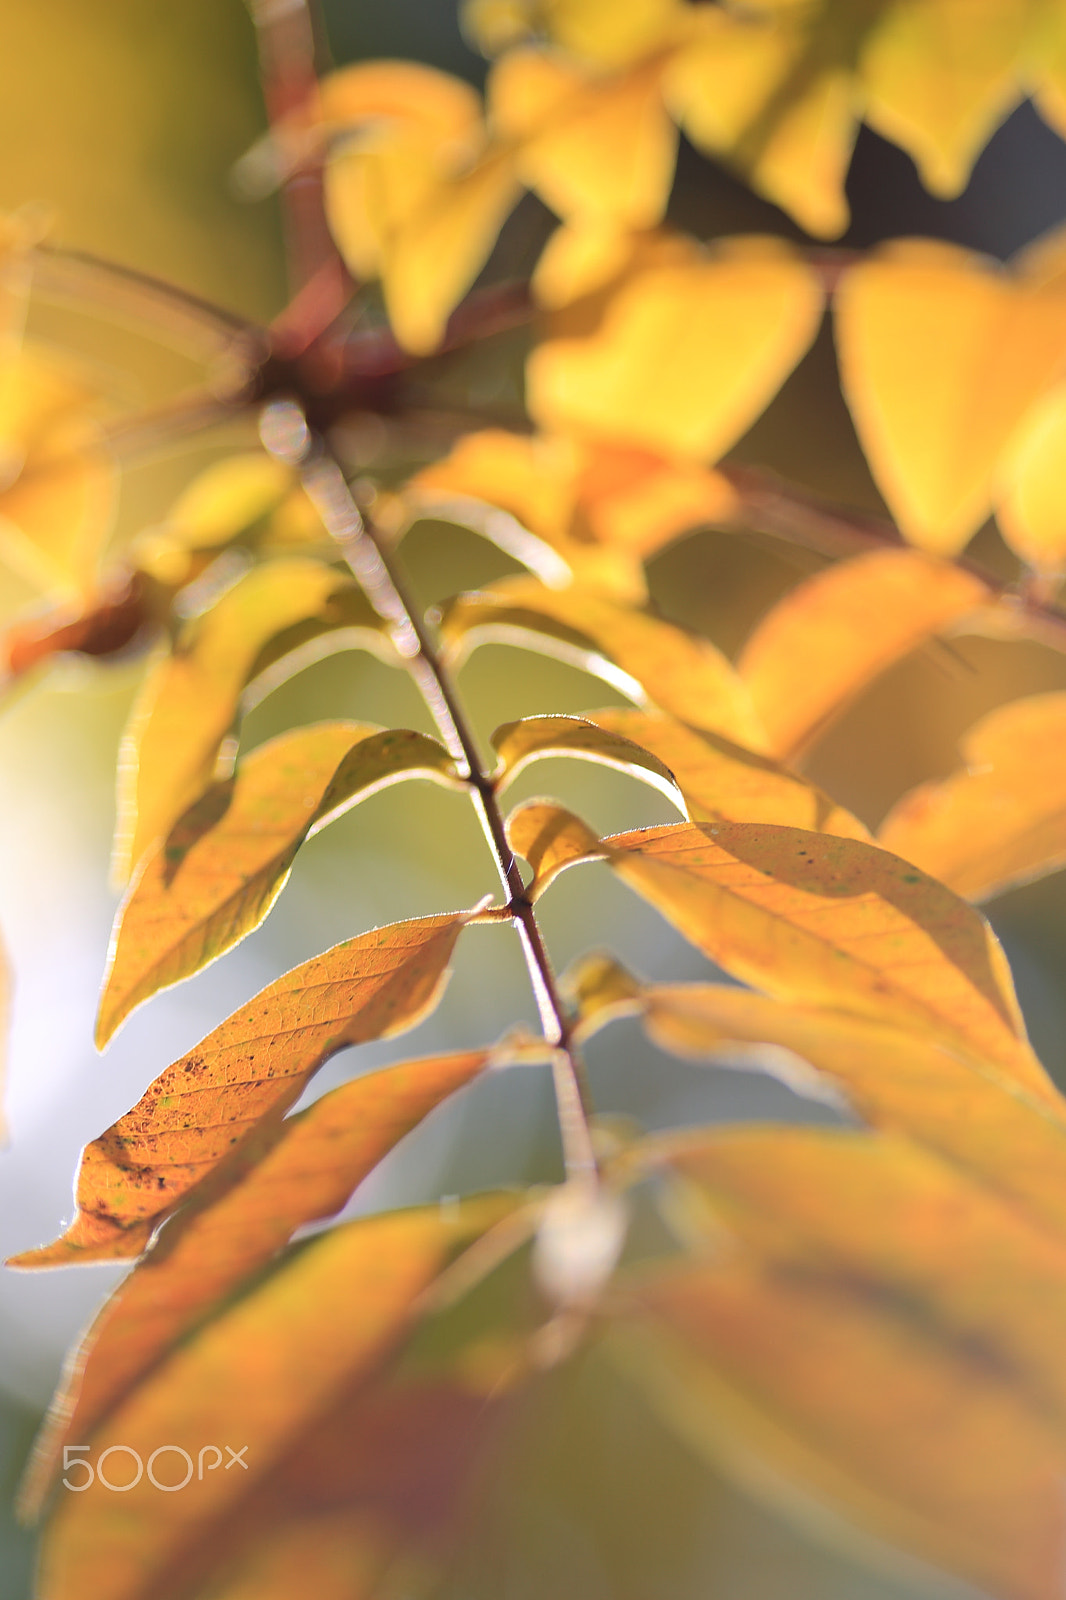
286,435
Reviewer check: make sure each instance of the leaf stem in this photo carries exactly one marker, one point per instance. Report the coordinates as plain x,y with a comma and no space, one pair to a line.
285,433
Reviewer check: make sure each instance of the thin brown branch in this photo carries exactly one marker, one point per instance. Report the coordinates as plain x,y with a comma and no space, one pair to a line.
286,435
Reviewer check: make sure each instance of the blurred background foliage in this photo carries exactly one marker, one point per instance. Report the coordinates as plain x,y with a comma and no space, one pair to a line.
124,118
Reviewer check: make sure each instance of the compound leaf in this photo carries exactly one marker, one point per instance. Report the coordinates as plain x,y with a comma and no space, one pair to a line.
224,863
1003,820
204,1108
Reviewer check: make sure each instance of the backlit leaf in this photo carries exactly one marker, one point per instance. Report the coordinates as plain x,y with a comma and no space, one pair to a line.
721,780
592,147
305,1168
941,358
225,862
968,1111
819,646
280,1371
681,356
1031,505
885,1342
598,30
190,700
820,920
206,1106
637,653
1003,820
518,743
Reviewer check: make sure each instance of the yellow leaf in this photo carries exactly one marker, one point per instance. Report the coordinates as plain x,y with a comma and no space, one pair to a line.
607,34
222,503
202,1110
941,358
1031,505
884,1344
940,76
305,1168
721,780
832,634
681,673
680,357
550,839
190,699
533,738
227,859
592,147
290,1374
1003,820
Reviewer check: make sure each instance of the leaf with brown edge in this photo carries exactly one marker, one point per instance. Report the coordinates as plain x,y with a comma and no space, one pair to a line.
296,1172
534,738
635,652
304,1351
881,1340
679,355
721,779
190,699
819,920
205,1109
942,357
1000,822
224,863
831,635
969,1112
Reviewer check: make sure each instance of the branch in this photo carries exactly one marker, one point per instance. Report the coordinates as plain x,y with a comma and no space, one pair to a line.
285,434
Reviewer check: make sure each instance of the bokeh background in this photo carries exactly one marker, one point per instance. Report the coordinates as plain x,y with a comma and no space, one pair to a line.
125,118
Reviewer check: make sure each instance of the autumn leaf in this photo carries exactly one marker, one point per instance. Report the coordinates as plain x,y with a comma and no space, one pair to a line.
883,1340
843,627
969,1112
224,863
297,1171
683,352
1000,822
204,1108
225,502
722,780
942,357
820,920
353,1296
533,738
634,651
190,699
1030,505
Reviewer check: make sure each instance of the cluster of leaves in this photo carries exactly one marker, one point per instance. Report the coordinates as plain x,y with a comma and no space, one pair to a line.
873,1313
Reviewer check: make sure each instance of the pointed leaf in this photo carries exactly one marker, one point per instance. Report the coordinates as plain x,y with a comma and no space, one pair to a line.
531,739
190,700
1003,820
941,358
225,862
276,1372
205,1108
832,634
589,145
885,1342
721,780
681,356
681,673
305,1169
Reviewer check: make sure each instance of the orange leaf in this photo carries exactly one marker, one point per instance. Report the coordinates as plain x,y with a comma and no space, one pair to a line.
941,359
721,780
682,355
637,653
884,1343
533,738
1001,822
204,1108
190,700
225,862
834,633
305,1169
279,1373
